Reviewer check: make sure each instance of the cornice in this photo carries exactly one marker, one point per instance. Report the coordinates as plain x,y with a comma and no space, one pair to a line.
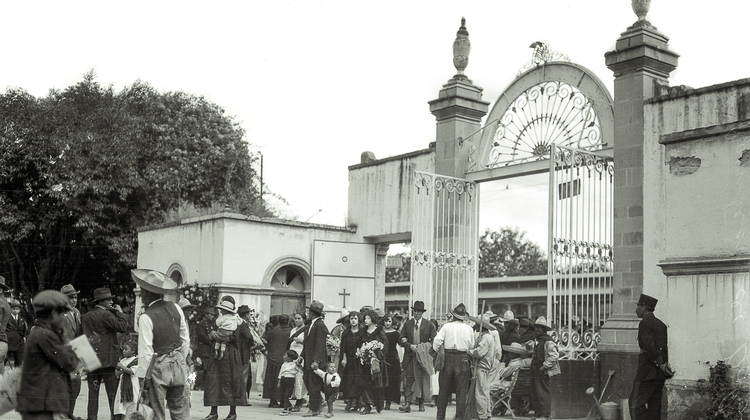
691,266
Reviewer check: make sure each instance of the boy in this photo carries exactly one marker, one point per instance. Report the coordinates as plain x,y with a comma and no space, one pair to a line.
331,382
287,376
49,360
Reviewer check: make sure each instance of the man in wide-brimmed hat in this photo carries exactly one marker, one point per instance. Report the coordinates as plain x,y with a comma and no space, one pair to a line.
543,366
163,333
5,312
415,332
314,355
43,392
485,354
456,337
101,325
653,362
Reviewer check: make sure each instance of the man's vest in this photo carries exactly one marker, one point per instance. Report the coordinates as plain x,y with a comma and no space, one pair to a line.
166,320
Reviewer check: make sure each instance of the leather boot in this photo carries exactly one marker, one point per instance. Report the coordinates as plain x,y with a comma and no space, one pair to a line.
421,406
387,405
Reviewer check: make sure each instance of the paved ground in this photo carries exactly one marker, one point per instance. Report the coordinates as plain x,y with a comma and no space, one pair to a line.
259,410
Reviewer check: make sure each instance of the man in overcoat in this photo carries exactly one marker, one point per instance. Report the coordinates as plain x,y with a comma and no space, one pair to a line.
314,355
415,331
16,330
653,367
101,325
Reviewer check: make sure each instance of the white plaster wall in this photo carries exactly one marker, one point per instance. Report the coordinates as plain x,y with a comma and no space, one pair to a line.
384,189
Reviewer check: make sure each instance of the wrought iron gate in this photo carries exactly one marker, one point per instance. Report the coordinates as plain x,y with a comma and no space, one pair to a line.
580,257
444,243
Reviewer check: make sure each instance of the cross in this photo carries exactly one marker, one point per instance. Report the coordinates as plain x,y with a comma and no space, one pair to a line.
344,295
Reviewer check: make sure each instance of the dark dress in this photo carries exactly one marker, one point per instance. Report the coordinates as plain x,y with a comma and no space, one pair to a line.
224,384
348,347
278,343
393,369
371,386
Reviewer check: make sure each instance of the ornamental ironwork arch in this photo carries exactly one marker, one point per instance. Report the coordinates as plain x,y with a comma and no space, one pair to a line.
560,102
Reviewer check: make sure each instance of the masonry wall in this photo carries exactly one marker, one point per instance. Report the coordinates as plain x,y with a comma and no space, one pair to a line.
384,188
697,231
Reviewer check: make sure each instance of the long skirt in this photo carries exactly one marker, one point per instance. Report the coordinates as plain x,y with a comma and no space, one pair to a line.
393,391
224,383
348,374
270,391
299,387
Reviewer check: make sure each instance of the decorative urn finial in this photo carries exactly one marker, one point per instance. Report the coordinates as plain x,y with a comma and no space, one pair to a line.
461,49
640,8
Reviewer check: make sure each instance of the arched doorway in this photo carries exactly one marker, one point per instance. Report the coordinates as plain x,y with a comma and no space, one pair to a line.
289,279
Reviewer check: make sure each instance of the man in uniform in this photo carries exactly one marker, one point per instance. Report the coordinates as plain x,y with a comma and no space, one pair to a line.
457,338
653,367
415,331
314,354
72,327
101,326
163,334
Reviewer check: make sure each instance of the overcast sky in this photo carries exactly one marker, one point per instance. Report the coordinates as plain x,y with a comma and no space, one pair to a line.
316,83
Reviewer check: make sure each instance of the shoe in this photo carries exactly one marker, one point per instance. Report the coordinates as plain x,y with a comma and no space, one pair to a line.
311,413
295,409
284,413
387,405
405,408
231,417
212,417
274,404
366,410
421,406
328,415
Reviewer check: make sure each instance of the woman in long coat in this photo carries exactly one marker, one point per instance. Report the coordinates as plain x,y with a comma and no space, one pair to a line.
349,362
224,384
369,381
393,367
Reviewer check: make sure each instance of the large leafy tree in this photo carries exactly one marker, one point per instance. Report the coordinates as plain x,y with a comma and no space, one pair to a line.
507,253
81,169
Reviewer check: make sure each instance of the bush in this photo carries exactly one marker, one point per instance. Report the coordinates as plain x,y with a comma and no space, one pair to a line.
725,401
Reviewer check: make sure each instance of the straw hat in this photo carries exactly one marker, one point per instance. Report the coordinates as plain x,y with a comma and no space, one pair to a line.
227,306
542,322
344,316
485,324
153,281
517,348
459,312
185,304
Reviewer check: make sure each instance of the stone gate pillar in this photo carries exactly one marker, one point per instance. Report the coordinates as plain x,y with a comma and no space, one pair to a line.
641,63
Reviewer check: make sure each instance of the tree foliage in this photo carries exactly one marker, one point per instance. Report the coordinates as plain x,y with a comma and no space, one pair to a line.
81,169
507,253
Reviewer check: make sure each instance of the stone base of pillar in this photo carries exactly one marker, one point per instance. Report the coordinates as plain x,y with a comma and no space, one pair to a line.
618,352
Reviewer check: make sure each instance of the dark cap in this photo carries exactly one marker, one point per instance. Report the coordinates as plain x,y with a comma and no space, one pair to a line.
243,309
50,300
648,301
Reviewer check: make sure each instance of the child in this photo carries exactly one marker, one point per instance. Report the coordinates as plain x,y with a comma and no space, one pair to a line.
48,362
128,390
227,323
331,382
287,376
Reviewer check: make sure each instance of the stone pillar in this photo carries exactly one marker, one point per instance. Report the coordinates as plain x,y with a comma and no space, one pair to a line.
641,63
458,109
381,257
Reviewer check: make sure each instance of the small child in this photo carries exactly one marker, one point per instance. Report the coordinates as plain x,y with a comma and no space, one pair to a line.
128,390
287,376
331,382
227,323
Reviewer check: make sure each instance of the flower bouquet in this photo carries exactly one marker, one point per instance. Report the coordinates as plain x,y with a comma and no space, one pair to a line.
367,352
333,345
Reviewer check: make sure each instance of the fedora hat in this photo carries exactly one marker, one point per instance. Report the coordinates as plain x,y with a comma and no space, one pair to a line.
227,306
50,300
459,312
648,301
185,304
153,281
243,309
316,306
516,348
483,323
69,290
101,293
2,284
524,322
542,322
418,306
344,316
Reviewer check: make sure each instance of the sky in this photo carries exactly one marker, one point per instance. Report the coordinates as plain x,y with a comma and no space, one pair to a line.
316,83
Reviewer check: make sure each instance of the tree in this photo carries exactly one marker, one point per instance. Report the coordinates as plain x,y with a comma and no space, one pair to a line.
507,253
81,169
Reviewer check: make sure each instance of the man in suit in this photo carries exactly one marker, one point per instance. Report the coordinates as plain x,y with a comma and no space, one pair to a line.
314,355
4,319
72,327
653,367
16,330
415,331
101,325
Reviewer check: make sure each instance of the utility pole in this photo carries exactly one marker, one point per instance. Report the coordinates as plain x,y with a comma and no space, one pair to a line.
261,180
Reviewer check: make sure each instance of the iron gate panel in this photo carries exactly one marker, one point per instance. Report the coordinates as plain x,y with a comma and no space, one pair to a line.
580,255
444,243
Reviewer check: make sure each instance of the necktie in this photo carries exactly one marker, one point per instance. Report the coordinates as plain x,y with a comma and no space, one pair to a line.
416,333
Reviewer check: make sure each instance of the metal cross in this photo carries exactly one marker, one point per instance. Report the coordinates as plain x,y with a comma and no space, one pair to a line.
344,295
